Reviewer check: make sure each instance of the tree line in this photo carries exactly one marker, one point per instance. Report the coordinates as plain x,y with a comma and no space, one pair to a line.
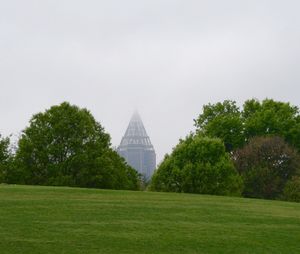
251,152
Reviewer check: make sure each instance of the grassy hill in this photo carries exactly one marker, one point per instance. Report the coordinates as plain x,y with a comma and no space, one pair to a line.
71,220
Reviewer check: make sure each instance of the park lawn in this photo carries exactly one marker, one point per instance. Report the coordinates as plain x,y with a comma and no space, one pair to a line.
74,220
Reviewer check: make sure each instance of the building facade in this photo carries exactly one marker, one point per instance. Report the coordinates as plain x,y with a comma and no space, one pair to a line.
137,149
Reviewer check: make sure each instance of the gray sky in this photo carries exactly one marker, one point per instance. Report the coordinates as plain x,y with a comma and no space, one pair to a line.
165,58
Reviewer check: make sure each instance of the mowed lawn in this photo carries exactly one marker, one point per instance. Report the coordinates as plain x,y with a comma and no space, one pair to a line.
73,220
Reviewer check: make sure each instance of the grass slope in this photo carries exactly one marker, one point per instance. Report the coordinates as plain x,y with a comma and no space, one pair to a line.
70,220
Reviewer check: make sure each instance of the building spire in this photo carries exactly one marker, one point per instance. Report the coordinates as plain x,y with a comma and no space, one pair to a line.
136,133
136,147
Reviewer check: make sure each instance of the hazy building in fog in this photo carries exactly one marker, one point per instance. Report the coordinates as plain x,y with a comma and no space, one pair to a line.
137,149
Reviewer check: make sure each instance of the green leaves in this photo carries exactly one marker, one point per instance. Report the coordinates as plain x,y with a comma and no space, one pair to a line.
235,127
198,165
292,190
5,157
260,139
4,149
66,146
272,118
224,121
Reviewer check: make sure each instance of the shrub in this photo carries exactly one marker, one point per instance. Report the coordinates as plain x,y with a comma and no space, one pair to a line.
292,190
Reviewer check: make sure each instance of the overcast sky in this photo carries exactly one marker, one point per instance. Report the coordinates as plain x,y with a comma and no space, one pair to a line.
165,58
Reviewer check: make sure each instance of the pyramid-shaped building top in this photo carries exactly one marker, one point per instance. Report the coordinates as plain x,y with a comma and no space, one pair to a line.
136,133
137,149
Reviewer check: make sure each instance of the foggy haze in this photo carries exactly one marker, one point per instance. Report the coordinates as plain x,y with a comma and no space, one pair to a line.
164,58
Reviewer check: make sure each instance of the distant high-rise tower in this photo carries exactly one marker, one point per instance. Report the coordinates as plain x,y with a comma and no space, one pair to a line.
137,149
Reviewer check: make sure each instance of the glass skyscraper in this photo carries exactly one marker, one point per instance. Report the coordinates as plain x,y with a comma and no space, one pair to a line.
137,149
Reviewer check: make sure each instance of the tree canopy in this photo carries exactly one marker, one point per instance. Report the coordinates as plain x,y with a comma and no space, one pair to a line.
272,118
198,165
236,126
65,145
224,121
266,165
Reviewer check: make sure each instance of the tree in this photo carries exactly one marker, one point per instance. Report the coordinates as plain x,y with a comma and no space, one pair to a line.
235,127
266,164
5,157
197,165
272,118
222,120
66,146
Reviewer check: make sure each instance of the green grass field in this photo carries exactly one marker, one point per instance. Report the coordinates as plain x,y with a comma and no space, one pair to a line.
71,220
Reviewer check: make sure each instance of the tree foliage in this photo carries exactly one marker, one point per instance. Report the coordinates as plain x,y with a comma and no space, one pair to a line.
197,165
235,127
272,118
222,120
5,157
291,190
266,164
66,146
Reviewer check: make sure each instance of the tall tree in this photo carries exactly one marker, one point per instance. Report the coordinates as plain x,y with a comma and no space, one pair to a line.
66,146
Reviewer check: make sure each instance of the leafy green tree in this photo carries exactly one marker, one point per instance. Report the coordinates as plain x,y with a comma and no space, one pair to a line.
198,165
235,127
266,165
5,157
224,121
66,146
272,118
